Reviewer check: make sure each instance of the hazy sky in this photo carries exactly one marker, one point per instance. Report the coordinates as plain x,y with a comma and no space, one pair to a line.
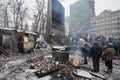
100,5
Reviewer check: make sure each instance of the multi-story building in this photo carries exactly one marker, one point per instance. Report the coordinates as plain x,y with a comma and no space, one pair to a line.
106,24
56,17
80,13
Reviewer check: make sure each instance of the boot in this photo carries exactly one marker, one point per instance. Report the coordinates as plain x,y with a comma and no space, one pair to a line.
110,70
107,71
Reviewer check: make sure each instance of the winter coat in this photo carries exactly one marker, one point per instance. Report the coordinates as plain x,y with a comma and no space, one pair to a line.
109,54
95,52
86,47
116,43
82,42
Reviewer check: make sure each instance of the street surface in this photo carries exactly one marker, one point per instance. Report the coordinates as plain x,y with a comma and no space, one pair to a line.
17,67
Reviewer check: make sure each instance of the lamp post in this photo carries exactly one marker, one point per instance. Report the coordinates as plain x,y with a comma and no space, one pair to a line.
35,29
53,35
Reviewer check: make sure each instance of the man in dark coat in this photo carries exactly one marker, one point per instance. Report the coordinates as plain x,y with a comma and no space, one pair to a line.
20,45
95,53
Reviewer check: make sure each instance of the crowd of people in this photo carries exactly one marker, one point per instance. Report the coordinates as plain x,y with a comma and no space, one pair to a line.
100,48
97,48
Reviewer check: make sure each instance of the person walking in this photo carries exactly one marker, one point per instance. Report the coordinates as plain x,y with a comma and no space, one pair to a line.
95,53
109,55
116,46
20,45
85,49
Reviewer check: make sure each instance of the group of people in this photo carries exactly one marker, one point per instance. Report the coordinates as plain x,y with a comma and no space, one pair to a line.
95,51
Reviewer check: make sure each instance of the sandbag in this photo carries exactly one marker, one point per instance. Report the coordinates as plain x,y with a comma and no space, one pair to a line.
28,46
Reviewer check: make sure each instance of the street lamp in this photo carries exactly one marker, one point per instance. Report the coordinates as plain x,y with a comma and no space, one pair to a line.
35,29
53,35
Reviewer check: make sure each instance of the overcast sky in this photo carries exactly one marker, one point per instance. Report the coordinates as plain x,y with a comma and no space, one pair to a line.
100,5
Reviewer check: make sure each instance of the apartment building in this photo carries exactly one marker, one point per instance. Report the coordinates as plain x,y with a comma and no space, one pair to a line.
106,24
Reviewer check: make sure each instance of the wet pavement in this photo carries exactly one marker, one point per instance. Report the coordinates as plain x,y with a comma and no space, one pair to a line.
18,67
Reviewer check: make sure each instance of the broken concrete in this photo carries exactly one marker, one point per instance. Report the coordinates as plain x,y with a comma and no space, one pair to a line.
23,67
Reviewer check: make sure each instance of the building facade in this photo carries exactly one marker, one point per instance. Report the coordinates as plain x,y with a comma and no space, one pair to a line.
106,24
55,20
80,13
56,17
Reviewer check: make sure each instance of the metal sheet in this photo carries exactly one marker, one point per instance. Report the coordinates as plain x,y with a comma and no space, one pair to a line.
82,73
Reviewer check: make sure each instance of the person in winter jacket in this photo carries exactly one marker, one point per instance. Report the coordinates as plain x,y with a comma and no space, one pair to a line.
109,55
85,48
95,53
20,45
116,46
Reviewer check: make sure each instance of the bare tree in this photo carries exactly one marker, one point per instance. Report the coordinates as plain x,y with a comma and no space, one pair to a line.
26,27
4,15
43,23
19,12
33,27
22,17
39,16
1,15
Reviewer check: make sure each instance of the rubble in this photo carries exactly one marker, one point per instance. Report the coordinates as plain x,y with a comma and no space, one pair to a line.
25,67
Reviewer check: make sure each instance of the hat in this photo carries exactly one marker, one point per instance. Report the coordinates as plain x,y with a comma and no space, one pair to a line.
95,43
